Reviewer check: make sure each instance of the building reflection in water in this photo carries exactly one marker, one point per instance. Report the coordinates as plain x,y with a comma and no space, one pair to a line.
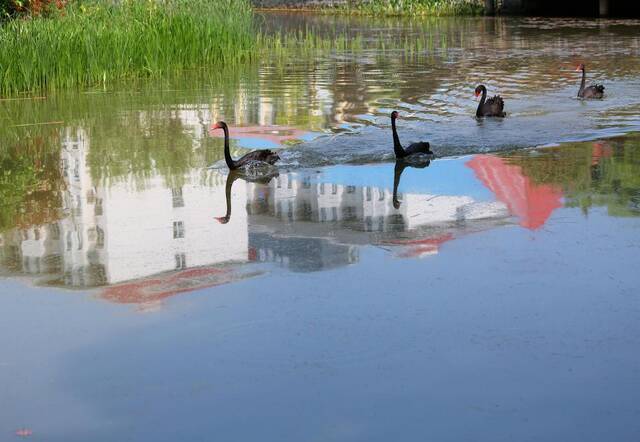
149,242
142,244
116,232
297,206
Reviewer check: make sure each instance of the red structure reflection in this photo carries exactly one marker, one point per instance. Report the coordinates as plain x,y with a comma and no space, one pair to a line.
160,287
273,134
530,202
600,150
416,248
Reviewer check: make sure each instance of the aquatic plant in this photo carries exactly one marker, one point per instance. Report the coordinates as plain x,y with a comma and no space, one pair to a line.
97,42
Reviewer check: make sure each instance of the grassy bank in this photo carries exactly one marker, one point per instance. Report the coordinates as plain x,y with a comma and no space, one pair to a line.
99,42
412,7
93,42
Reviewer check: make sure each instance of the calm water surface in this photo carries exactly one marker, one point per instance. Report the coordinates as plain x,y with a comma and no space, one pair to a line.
491,294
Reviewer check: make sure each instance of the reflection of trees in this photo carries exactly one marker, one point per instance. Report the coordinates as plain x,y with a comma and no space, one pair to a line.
30,182
140,145
134,132
602,173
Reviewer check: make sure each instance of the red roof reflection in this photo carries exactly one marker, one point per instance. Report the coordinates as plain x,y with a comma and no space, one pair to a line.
274,134
600,149
163,286
416,248
530,202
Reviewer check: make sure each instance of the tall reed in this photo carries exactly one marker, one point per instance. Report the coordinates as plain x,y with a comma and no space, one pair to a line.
411,7
96,42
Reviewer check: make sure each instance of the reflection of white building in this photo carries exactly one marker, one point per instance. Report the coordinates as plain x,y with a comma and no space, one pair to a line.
118,232
369,208
60,248
309,226
77,231
159,229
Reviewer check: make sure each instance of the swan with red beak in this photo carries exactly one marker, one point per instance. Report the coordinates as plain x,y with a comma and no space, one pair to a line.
255,158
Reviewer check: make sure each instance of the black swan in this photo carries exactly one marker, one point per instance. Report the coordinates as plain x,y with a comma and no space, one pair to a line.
593,91
493,107
231,178
256,157
397,173
421,147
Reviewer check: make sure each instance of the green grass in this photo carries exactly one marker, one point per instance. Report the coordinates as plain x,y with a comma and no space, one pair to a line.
98,42
411,7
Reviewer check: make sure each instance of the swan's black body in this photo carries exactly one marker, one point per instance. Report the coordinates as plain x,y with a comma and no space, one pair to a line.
493,107
397,173
421,147
252,158
595,91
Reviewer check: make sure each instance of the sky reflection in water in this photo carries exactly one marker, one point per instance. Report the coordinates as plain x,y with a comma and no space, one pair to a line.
150,242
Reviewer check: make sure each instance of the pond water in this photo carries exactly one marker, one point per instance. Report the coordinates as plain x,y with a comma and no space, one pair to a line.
490,294
479,297
123,233
429,70
332,106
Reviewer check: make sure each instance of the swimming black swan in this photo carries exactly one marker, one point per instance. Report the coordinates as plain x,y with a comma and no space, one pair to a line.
593,91
397,173
493,107
254,158
234,175
421,147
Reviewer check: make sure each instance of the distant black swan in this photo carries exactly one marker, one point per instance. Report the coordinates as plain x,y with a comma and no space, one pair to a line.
421,147
256,157
493,107
593,91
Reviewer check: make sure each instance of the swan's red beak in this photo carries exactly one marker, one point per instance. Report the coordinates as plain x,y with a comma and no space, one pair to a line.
476,93
213,128
578,69
221,219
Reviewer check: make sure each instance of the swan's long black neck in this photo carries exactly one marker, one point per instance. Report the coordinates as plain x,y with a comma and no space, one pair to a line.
227,154
582,83
482,100
397,147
